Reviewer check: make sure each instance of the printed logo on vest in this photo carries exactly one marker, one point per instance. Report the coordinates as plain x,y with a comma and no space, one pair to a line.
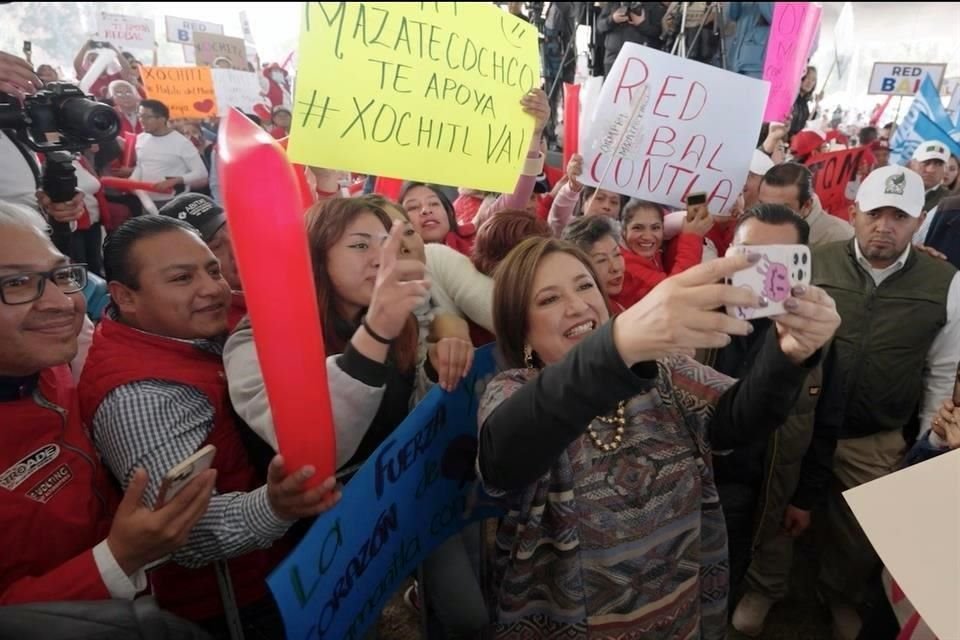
814,391
20,471
49,486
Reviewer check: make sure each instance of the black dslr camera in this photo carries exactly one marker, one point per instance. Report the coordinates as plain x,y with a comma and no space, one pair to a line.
635,8
57,121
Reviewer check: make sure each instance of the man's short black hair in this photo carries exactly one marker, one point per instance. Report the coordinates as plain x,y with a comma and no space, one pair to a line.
777,214
868,135
157,107
118,248
792,174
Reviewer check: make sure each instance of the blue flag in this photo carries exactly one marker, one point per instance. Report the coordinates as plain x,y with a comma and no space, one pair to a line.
415,491
926,129
906,138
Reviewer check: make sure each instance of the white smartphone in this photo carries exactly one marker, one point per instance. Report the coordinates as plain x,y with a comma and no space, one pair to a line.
178,477
781,267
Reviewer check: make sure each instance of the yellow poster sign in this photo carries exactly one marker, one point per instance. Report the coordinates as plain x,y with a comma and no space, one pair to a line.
426,91
187,91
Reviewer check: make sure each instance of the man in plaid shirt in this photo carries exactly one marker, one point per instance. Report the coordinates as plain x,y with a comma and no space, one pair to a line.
153,392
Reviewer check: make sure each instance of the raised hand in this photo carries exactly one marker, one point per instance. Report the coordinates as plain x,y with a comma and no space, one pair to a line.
946,424
17,77
401,287
536,104
62,211
451,359
684,312
810,322
290,499
701,223
574,171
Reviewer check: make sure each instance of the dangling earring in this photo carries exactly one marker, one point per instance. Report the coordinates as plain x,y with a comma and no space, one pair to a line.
528,356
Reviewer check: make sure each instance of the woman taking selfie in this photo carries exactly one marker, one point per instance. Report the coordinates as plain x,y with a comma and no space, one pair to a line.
598,437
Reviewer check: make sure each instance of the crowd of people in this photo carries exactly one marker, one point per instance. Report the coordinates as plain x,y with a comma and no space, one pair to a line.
657,457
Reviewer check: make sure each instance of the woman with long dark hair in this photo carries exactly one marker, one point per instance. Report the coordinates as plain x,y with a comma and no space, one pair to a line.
801,106
369,330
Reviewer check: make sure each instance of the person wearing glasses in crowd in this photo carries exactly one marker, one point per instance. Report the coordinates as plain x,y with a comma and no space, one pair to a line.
55,488
165,157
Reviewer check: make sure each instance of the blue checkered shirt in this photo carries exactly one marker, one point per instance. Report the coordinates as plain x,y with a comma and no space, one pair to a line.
156,424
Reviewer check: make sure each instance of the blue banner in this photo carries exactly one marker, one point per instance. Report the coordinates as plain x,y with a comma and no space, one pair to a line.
907,138
415,491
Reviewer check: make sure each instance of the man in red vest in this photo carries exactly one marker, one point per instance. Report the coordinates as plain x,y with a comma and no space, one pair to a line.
153,391
56,502
209,218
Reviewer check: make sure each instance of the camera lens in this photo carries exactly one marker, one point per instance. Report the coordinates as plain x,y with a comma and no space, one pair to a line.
87,119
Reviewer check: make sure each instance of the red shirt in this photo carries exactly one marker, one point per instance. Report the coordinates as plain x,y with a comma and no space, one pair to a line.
463,241
100,85
643,274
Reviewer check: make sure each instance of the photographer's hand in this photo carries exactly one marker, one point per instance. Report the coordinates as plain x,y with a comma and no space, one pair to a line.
17,77
61,211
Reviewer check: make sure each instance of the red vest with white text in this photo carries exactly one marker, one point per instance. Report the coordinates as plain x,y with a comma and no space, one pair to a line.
56,500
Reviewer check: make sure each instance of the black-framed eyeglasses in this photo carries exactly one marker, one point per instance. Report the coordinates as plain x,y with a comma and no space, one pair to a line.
23,288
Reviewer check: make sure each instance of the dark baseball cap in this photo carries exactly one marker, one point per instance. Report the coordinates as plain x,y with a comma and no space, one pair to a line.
197,210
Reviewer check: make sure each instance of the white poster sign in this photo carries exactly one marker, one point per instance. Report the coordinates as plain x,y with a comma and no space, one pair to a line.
239,89
902,79
665,127
181,30
912,518
126,32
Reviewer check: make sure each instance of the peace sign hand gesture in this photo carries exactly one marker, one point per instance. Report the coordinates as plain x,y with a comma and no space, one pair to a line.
401,286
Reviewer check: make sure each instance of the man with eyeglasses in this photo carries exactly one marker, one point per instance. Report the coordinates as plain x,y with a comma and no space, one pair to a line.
165,157
56,504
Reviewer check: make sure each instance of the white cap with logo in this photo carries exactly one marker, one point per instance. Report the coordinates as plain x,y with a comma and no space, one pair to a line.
931,150
892,186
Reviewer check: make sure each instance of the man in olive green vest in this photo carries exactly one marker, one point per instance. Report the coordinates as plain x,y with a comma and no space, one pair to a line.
898,345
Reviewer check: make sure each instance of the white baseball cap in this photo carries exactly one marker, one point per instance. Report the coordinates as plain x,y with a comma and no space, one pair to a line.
931,150
892,186
760,163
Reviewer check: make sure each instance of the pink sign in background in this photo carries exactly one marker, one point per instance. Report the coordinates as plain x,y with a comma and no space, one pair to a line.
791,35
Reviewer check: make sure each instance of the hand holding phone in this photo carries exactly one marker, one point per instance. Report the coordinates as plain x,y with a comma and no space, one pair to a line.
140,535
178,477
781,268
696,206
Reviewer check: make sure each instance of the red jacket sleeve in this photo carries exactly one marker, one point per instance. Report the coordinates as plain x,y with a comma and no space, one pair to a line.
642,275
683,252
76,579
